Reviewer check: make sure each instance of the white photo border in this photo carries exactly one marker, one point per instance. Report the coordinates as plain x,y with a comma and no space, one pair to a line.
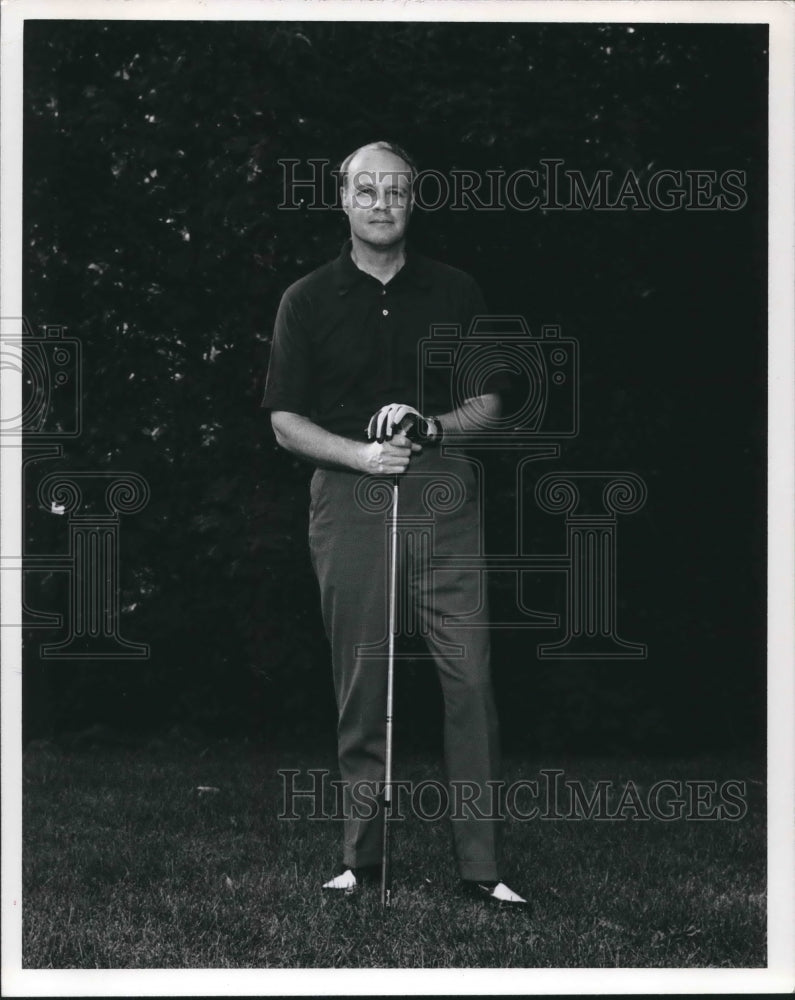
779,976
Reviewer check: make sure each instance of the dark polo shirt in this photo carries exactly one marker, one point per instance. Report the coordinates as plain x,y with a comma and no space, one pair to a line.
345,345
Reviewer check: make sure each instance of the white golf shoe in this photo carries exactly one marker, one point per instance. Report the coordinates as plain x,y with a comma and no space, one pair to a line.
496,892
352,879
346,882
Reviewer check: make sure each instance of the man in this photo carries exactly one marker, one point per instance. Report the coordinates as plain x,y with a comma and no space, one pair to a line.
342,387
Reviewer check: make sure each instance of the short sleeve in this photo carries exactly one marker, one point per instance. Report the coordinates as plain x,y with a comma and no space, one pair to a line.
500,380
288,385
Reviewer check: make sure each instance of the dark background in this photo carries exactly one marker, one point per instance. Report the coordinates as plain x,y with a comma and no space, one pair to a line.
138,135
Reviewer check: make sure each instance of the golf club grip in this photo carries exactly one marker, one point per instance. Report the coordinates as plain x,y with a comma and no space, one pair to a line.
414,430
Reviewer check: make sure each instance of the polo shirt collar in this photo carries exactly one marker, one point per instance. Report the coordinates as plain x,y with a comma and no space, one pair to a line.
347,274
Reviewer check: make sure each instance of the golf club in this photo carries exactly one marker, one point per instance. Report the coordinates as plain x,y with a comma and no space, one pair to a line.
410,428
386,859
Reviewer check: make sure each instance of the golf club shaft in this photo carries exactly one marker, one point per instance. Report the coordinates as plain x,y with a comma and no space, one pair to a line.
386,867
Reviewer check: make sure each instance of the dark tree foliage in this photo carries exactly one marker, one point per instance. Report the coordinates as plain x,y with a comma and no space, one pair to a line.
152,232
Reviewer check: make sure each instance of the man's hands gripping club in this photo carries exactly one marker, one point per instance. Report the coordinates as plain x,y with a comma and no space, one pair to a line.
389,431
390,449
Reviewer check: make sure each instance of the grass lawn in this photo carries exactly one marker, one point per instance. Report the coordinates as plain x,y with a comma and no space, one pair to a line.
127,864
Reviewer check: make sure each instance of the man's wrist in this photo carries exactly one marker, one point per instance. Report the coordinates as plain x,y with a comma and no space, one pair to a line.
435,431
360,452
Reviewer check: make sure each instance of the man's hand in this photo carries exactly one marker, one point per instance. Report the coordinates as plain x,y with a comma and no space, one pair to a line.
388,458
392,418
390,453
301,436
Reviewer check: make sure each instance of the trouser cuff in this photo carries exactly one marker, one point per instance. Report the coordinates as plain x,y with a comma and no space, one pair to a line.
478,871
362,861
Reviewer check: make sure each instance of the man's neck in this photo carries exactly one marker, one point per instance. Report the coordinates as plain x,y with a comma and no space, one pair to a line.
382,263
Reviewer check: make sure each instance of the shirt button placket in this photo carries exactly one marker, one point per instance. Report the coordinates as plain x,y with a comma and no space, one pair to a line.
388,340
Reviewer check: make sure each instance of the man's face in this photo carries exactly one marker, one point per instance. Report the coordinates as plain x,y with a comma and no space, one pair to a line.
377,197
